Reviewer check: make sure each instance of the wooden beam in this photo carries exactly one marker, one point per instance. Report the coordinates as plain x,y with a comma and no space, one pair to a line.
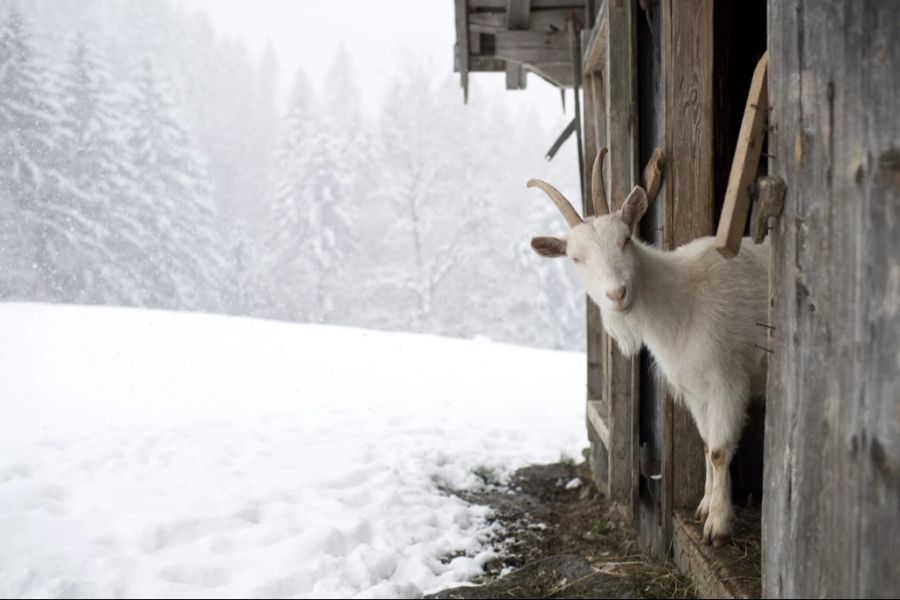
653,173
515,76
595,48
597,416
621,130
518,14
746,162
534,47
462,45
686,42
575,48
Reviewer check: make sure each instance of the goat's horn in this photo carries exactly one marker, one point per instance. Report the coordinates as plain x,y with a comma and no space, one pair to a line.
564,206
598,190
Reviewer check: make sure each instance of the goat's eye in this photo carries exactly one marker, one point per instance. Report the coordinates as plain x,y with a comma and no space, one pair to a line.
576,260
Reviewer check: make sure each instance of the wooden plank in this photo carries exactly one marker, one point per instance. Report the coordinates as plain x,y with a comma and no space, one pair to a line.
487,64
653,173
462,45
518,14
575,50
536,5
621,130
831,501
597,416
743,169
686,41
595,47
534,47
715,572
515,76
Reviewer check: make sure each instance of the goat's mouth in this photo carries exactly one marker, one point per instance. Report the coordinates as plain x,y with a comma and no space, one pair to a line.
622,307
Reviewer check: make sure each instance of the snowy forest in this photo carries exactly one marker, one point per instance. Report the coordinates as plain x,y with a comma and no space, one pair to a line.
146,160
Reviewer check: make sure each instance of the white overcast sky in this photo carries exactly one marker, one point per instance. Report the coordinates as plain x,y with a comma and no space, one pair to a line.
307,32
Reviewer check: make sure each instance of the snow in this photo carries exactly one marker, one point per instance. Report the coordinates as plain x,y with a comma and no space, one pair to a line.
574,484
158,454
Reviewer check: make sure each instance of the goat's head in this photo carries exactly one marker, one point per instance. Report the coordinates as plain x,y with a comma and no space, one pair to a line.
600,246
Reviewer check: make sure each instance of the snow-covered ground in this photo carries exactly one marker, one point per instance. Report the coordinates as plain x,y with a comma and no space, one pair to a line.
155,454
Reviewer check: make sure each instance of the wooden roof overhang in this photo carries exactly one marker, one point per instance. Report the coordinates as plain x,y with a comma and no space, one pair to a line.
517,37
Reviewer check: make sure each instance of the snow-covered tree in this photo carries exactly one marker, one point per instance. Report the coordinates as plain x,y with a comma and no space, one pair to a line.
96,161
308,223
183,267
36,230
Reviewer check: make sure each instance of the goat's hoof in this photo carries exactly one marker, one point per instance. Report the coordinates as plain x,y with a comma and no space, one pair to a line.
716,532
702,511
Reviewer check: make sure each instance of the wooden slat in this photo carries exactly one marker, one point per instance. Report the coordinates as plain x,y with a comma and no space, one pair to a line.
715,572
518,14
515,76
621,130
653,173
595,47
575,51
534,47
686,42
597,416
746,162
462,45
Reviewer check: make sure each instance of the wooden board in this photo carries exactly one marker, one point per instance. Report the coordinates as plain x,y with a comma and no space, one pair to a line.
462,45
831,504
688,208
621,131
743,170
597,416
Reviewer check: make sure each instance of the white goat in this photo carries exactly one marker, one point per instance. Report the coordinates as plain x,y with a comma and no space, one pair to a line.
695,311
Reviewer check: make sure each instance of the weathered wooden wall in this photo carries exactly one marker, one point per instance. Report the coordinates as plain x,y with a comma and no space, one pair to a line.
831,509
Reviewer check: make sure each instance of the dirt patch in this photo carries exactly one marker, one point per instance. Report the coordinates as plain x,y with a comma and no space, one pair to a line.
563,540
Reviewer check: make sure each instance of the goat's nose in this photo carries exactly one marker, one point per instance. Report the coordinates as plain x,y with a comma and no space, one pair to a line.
617,295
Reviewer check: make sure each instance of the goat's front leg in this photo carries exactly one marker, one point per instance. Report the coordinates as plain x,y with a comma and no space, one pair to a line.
724,421
703,508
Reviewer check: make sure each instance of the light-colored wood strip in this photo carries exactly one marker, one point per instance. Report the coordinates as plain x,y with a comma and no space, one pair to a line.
595,47
746,161
653,173
518,14
597,416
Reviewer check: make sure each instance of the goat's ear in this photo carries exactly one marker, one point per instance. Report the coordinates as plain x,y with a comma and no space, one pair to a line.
550,247
635,206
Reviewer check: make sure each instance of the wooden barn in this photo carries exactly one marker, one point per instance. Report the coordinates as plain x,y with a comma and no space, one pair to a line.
779,117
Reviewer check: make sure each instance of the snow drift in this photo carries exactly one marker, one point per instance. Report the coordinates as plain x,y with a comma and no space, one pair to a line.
155,454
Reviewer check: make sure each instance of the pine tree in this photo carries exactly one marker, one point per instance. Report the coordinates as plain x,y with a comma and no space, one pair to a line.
97,165
309,221
183,265
288,263
36,232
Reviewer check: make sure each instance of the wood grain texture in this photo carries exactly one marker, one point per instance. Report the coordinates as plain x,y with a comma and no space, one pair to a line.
743,169
687,65
621,131
462,45
831,505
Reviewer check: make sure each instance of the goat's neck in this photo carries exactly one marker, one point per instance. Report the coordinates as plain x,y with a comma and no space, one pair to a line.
661,308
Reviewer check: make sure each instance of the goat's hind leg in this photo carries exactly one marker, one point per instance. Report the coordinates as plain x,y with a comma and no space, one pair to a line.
725,420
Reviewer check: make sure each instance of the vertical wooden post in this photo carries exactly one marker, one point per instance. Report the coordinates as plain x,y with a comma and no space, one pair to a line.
831,502
621,129
688,211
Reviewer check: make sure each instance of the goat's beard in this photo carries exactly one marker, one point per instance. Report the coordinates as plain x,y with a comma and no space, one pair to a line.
624,330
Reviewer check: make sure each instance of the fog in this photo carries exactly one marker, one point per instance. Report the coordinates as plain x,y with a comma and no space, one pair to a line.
301,161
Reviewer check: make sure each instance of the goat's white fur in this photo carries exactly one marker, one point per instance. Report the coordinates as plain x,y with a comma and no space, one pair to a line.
696,312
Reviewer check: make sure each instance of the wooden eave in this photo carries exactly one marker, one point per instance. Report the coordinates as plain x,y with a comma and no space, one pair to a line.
516,37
